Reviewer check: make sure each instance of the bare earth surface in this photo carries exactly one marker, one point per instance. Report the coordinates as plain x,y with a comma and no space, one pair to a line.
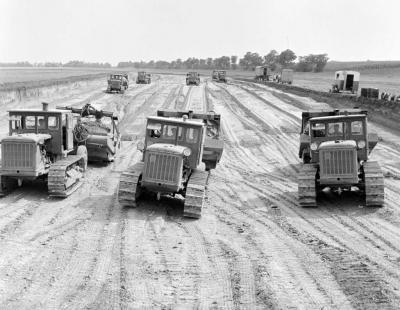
253,248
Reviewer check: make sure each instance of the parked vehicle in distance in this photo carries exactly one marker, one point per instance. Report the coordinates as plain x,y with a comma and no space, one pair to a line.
219,76
346,81
193,78
262,73
143,78
117,83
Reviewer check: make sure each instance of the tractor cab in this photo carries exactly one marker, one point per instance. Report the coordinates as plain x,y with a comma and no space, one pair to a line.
36,138
187,134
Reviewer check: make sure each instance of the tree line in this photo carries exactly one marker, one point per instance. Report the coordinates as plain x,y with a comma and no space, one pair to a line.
274,59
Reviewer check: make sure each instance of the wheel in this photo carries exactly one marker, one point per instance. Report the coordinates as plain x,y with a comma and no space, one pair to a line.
82,151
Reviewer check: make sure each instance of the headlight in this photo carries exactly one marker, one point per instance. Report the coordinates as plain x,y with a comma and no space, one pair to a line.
187,152
314,146
361,144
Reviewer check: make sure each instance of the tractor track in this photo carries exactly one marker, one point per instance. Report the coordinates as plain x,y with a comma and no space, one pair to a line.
253,248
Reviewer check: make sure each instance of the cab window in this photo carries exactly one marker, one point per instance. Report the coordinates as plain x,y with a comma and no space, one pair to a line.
52,122
154,129
318,130
30,122
335,129
41,122
169,132
192,135
15,122
357,128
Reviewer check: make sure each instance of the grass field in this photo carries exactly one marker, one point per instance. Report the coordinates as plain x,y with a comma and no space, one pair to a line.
385,79
18,75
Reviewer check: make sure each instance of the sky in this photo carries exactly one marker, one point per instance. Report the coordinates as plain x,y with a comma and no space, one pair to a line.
122,30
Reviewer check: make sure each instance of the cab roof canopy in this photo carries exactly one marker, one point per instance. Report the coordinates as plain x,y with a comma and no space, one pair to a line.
38,111
320,113
337,117
178,121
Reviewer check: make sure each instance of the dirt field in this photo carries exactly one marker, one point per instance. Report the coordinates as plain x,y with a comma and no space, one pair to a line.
253,248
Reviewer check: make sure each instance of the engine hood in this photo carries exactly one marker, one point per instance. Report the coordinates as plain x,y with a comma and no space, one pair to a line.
338,144
167,148
27,137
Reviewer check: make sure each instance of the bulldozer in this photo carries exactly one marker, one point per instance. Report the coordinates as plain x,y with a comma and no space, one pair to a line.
40,146
335,147
176,143
97,130
143,78
219,76
117,83
193,78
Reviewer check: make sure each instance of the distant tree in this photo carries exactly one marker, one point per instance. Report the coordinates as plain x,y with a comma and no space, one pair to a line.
210,63
223,62
203,64
271,59
312,62
250,61
287,58
234,62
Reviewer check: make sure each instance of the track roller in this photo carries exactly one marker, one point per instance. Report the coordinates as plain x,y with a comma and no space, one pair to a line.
195,192
307,191
374,184
129,185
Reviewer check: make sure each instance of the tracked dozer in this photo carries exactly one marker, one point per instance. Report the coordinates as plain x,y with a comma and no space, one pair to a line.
193,78
117,83
219,76
40,146
97,130
176,143
143,78
335,146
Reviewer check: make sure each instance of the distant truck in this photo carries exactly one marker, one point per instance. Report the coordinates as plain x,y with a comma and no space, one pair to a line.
346,81
192,78
219,76
117,83
143,78
286,76
262,73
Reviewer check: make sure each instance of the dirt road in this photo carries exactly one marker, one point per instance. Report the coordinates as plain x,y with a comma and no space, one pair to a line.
253,248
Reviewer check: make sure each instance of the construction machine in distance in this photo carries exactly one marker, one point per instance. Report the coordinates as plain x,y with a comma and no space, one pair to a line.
176,143
143,78
97,130
40,146
117,83
219,76
335,146
193,78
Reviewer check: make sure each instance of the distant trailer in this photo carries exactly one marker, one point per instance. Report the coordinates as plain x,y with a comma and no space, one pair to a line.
346,81
262,73
286,76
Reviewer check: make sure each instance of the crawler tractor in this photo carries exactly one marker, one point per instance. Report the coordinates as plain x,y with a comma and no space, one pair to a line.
40,146
335,146
175,145
143,78
97,130
193,78
219,76
117,83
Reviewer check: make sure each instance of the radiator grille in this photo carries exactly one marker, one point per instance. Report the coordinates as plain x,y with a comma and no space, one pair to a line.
162,168
18,155
338,162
